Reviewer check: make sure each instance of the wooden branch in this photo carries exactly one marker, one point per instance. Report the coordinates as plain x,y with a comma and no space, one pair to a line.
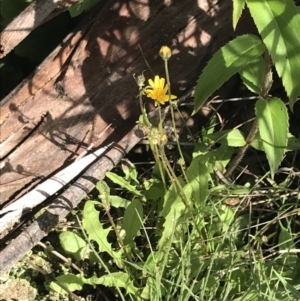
20,27
13,212
68,200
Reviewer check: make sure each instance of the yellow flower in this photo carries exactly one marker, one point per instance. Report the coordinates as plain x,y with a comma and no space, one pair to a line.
158,91
165,52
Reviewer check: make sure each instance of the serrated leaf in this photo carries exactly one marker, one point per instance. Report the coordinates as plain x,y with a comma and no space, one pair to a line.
238,6
72,282
173,208
123,183
118,279
272,120
95,230
232,138
225,63
253,75
74,244
132,220
278,22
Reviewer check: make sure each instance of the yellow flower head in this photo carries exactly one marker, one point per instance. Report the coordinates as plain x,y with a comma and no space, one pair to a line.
165,52
158,91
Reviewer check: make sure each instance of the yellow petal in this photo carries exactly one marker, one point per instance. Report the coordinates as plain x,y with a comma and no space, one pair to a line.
151,83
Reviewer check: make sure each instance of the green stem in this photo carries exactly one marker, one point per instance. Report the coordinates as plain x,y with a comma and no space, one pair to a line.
172,110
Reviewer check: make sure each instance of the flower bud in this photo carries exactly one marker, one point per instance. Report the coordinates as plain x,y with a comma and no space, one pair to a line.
165,52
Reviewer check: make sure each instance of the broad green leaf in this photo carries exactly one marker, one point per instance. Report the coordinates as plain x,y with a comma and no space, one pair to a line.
173,209
132,220
123,183
154,189
117,202
232,138
225,63
272,120
118,279
197,175
95,230
223,155
226,215
292,144
238,6
253,75
196,190
72,282
278,22
74,244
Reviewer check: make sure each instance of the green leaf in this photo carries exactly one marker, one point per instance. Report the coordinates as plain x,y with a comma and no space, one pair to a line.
129,170
232,138
278,22
132,220
118,279
104,193
154,189
118,202
95,230
123,183
253,75
225,63
272,120
226,215
74,244
197,175
238,6
72,282
292,144
223,155
173,209
286,242
195,191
